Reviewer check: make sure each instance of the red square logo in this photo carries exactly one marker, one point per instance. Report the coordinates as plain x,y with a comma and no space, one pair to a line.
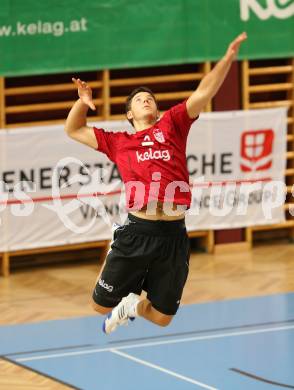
256,150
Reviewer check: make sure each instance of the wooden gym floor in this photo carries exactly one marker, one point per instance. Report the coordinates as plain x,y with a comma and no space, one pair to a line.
61,292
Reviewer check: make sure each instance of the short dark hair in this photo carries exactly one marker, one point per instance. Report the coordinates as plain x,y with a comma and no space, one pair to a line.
133,93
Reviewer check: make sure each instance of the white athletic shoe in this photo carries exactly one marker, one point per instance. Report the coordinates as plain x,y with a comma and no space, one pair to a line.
120,315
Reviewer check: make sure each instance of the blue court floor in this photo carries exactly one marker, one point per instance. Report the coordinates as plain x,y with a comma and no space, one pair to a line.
243,344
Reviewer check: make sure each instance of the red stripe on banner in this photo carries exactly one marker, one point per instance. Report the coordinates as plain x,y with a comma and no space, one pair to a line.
51,198
237,182
75,196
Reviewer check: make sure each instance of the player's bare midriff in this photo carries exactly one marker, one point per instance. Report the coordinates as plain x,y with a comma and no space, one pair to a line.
156,211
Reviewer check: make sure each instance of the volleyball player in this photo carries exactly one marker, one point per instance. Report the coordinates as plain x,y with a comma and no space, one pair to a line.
151,250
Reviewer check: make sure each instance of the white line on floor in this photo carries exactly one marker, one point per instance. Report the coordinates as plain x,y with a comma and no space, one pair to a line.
154,343
159,368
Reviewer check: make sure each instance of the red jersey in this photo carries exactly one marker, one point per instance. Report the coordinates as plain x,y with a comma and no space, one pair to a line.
152,162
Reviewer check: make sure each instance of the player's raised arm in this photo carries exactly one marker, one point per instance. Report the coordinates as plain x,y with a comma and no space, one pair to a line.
76,122
211,83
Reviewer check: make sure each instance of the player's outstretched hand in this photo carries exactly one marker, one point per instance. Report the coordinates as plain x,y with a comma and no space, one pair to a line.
85,93
234,46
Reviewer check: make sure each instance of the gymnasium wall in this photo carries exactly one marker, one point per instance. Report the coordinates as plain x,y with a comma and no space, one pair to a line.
169,46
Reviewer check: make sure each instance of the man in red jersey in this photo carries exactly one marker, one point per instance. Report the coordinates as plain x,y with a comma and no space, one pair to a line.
151,250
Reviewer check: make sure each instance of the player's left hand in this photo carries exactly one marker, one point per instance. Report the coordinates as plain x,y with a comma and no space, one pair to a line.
234,46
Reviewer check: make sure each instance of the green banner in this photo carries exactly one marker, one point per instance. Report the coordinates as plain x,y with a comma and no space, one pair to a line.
42,36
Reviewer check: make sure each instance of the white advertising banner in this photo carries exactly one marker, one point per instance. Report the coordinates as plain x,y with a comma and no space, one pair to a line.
236,161
242,156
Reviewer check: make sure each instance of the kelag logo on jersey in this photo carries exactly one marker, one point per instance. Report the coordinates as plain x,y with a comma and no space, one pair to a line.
256,150
153,155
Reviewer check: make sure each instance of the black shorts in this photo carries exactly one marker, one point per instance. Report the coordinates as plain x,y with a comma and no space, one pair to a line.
146,255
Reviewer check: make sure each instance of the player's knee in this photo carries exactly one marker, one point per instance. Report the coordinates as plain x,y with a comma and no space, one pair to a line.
100,309
163,320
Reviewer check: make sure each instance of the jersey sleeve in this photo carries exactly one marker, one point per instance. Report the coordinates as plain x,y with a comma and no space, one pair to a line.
180,118
106,142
